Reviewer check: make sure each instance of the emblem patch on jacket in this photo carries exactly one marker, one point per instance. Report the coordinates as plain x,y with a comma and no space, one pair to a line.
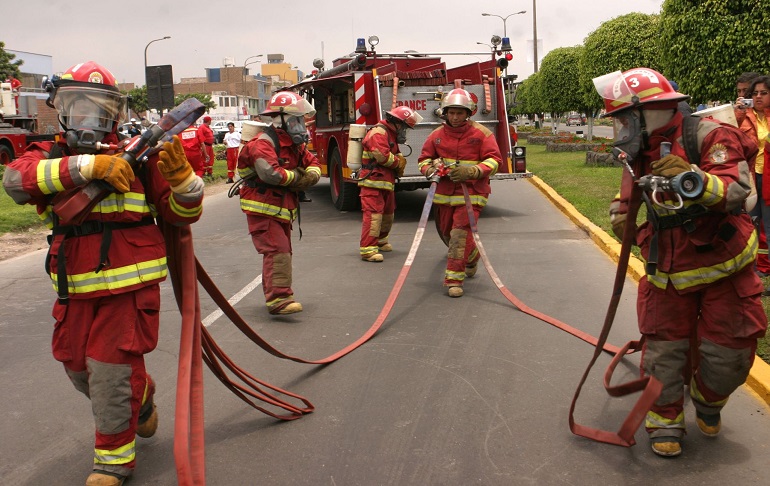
718,154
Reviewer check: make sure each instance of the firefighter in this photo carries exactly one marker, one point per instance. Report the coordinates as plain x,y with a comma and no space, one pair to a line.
471,151
274,166
107,314
206,140
193,149
382,163
699,307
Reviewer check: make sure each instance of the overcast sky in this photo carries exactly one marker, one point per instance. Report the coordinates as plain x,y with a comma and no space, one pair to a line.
203,32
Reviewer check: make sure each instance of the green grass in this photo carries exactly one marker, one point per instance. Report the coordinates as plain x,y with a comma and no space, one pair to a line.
590,190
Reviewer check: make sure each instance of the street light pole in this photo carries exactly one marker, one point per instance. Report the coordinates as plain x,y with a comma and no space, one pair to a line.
145,53
246,63
505,28
504,19
534,30
145,66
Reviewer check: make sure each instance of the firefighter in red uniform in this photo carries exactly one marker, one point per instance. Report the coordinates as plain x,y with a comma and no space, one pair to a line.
471,151
274,166
206,139
382,163
193,149
107,314
700,303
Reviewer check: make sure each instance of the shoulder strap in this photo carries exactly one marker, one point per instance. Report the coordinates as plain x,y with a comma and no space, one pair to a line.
690,138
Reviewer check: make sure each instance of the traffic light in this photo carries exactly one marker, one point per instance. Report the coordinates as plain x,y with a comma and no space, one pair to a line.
502,62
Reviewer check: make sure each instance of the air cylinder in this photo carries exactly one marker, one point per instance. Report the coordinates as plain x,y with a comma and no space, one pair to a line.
355,148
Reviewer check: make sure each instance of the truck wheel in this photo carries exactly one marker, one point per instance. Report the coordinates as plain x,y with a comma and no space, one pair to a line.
445,239
344,194
6,156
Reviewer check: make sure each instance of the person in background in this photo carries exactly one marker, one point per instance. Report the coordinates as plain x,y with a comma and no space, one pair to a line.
473,154
381,164
108,311
134,130
193,149
699,307
206,140
232,143
274,166
751,113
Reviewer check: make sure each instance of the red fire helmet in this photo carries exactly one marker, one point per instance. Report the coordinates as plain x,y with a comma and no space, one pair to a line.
635,88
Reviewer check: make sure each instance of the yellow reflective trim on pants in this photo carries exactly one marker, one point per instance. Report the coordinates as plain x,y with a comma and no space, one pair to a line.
115,278
48,180
698,396
710,274
450,275
476,200
655,421
121,455
368,250
268,210
382,185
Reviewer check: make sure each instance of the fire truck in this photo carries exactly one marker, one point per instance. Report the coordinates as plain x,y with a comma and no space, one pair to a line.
360,87
17,128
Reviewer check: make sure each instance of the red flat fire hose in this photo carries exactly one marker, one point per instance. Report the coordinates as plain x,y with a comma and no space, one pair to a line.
651,387
197,345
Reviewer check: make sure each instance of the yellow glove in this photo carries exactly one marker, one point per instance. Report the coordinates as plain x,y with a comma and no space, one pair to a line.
462,173
401,165
174,167
110,168
669,166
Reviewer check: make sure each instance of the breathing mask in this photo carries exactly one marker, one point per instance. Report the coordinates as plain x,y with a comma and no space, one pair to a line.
295,127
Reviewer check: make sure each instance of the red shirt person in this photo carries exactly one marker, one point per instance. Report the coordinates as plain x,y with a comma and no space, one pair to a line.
206,140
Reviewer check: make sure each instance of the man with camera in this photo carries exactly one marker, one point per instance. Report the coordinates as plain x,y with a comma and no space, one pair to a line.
699,307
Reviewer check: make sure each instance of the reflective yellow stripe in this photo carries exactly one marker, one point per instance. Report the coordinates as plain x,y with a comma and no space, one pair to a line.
384,185
267,209
705,275
183,211
655,421
48,180
119,203
492,164
450,275
115,278
476,200
121,455
714,191
366,250
697,395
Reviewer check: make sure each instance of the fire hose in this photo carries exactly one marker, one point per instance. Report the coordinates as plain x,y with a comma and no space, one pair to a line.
651,387
197,345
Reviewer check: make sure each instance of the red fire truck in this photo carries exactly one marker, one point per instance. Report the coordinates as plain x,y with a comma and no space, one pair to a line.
360,87
17,128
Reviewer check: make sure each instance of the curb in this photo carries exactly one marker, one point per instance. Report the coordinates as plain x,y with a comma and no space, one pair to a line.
759,375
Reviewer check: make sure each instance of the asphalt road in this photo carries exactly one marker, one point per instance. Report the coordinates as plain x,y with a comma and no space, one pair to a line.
448,392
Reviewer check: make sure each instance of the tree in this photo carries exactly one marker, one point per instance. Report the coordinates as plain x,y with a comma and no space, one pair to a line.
709,43
8,67
137,99
203,98
559,72
619,44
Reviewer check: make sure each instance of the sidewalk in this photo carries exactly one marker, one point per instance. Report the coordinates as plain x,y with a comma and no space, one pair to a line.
759,376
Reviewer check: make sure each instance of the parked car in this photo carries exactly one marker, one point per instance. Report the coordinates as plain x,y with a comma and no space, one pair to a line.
574,119
220,128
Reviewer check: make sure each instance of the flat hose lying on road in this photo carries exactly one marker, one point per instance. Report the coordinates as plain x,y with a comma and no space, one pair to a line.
651,387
